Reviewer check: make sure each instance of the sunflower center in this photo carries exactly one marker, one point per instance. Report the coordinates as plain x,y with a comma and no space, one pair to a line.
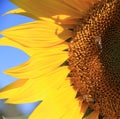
94,58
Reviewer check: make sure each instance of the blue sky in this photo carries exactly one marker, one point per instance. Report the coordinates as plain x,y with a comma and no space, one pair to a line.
10,56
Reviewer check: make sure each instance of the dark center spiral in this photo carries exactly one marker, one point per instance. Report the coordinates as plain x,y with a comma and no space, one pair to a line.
94,58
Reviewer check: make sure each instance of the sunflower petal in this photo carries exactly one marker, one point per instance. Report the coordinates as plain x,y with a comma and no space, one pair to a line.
37,34
15,84
71,9
9,93
12,88
20,11
64,105
35,89
38,65
38,8
81,5
7,42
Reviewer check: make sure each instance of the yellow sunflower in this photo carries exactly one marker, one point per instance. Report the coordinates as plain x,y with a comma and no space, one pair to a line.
74,65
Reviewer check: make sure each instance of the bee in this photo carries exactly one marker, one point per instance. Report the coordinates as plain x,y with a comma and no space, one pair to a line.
88,98
98,42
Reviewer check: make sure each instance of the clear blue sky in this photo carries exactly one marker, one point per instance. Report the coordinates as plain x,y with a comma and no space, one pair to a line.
10,56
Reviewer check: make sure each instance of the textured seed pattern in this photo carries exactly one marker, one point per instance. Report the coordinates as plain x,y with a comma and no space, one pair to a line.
94,58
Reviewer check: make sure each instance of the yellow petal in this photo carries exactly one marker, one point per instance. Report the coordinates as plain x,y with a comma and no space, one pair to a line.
9,93
37,34
40,8
16,84
59,11
63,105
39,64
7,42
21,12
81,5
38,89
12,88
62,11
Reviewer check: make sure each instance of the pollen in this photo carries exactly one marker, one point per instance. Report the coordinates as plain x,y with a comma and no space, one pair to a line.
94,58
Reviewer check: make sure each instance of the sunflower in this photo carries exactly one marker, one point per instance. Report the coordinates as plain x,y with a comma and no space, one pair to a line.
74,65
